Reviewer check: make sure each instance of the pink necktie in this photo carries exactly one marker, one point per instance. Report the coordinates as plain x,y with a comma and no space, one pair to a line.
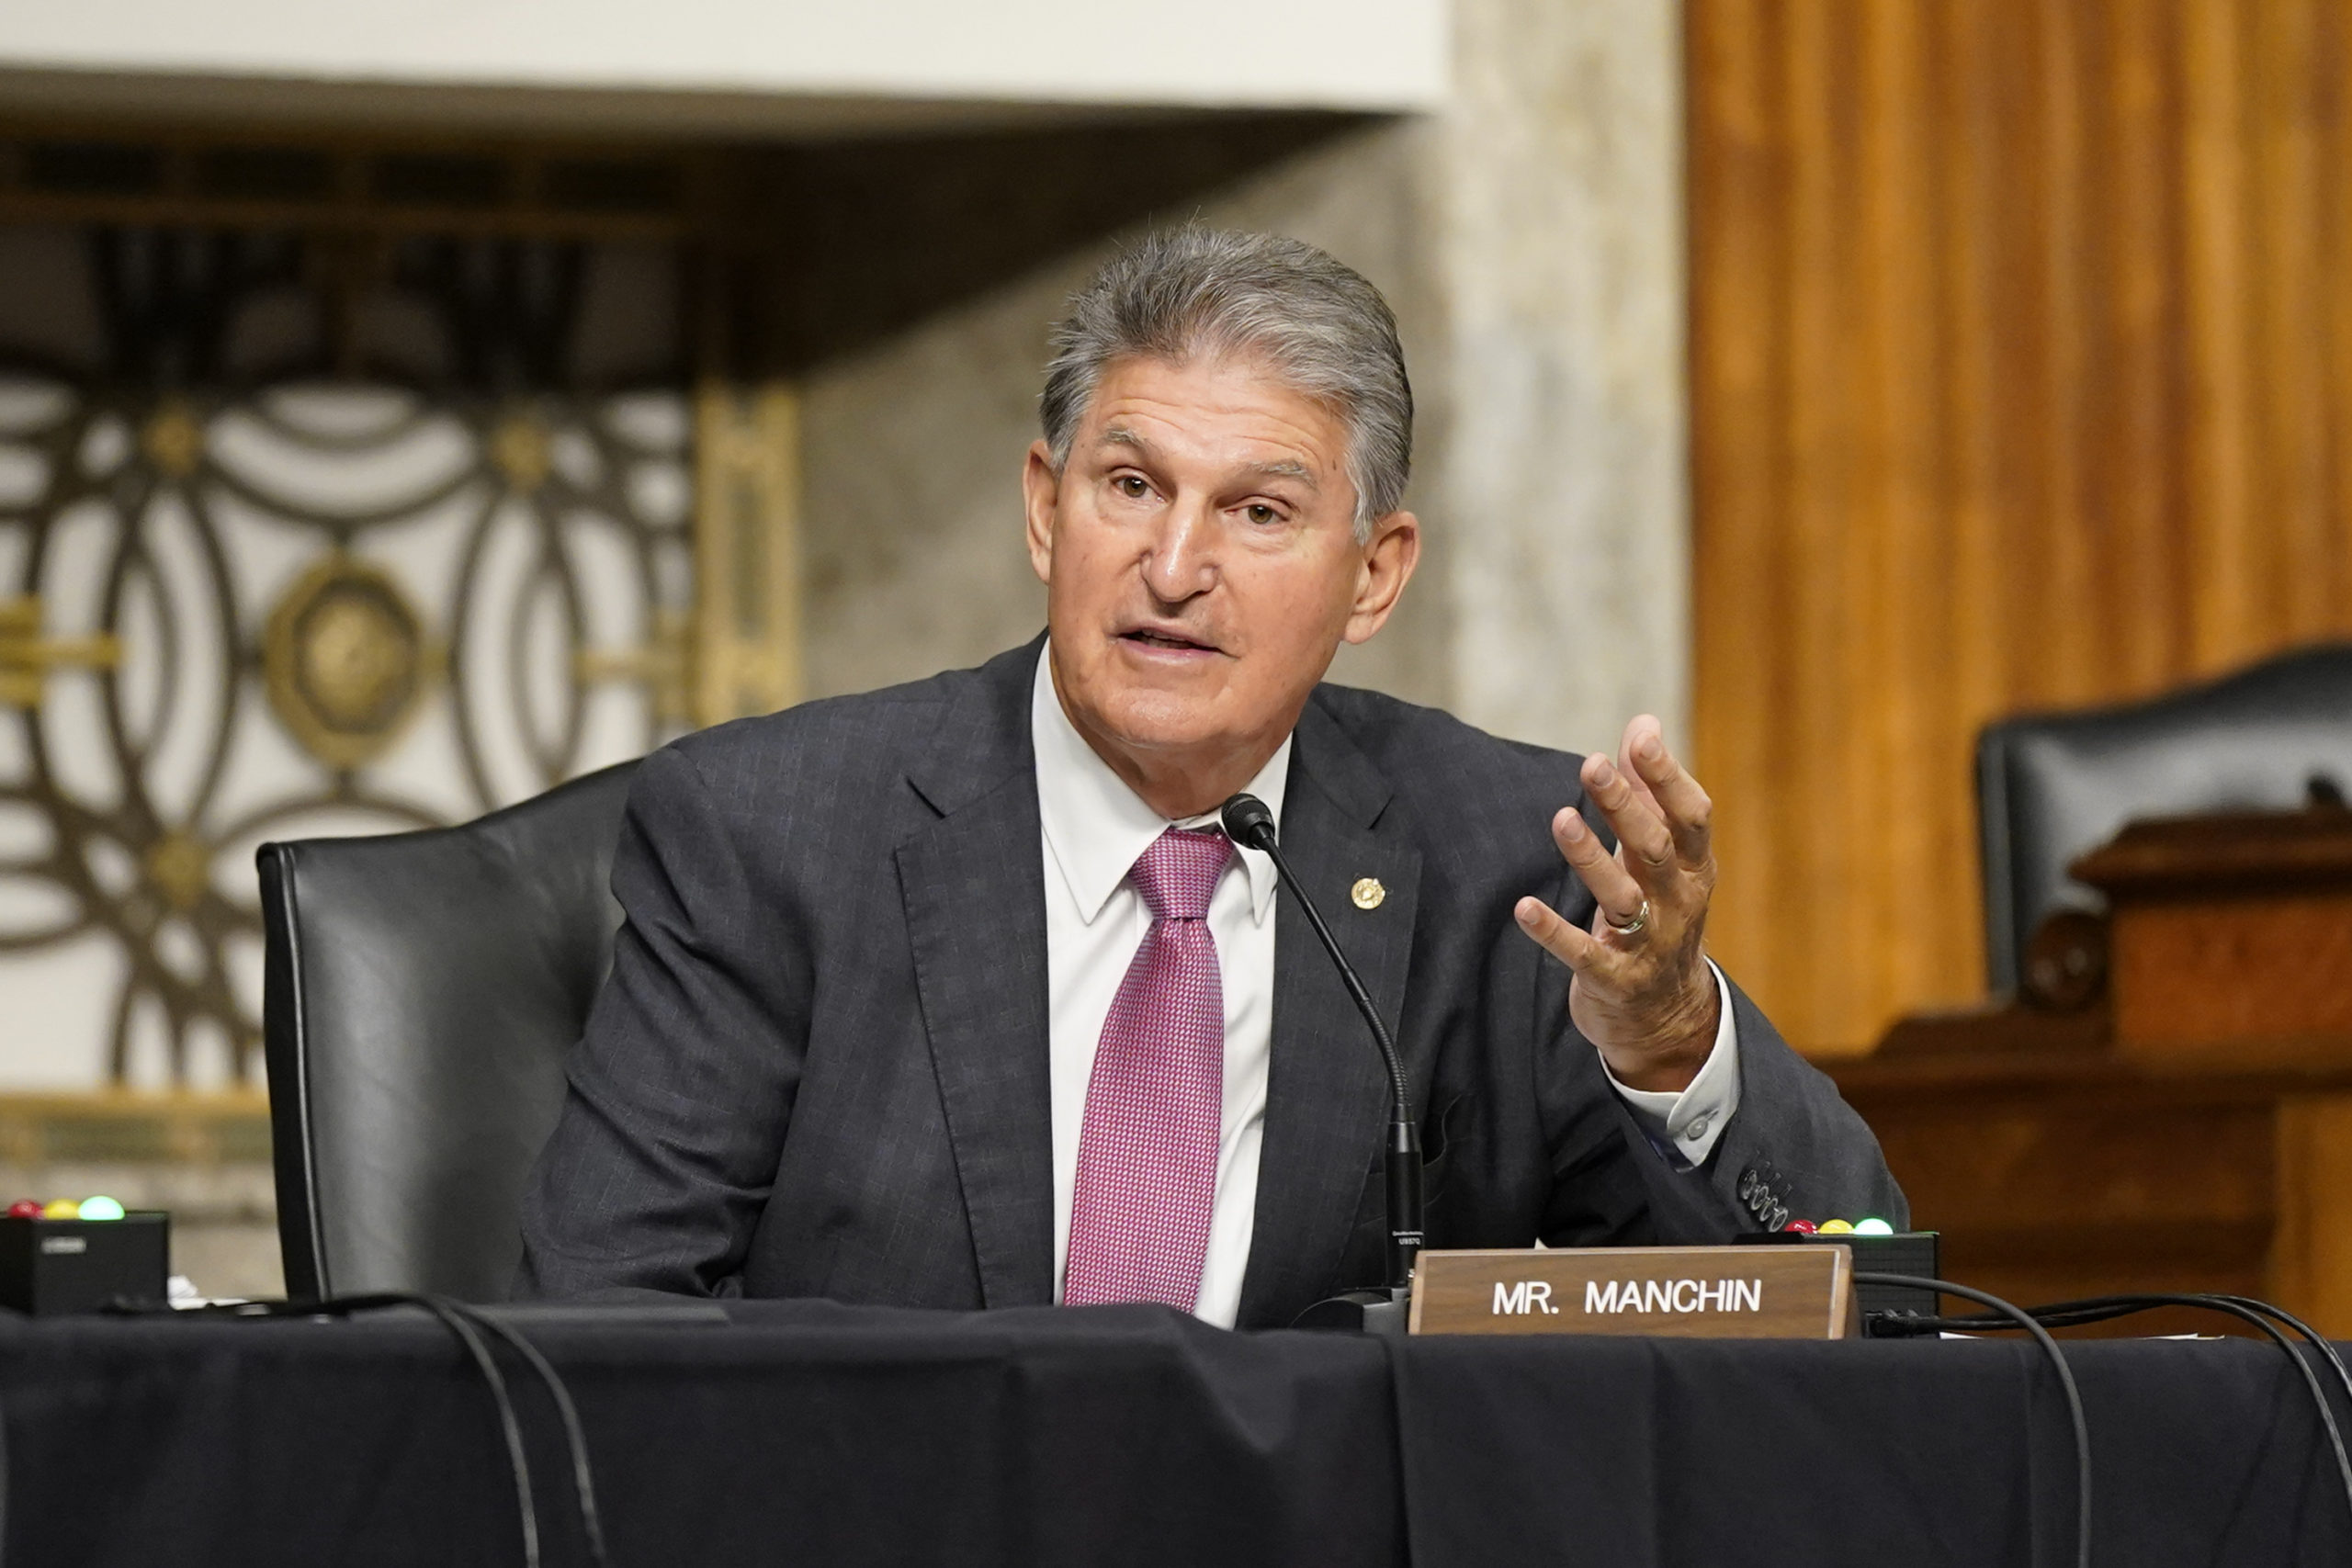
1147,1150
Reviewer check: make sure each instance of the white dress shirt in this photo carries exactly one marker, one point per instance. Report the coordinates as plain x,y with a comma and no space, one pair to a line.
1095,829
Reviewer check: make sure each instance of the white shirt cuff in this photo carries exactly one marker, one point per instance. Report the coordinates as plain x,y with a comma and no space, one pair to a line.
1690,1122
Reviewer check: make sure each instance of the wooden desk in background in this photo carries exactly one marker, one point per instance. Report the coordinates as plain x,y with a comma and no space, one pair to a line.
2170,1108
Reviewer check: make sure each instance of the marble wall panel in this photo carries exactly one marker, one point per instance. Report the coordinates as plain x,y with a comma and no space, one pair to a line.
1529,237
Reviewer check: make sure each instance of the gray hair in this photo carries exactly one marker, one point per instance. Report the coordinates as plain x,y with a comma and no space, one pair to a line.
1187,292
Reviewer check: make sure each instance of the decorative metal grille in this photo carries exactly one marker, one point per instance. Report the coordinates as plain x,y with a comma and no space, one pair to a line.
305,535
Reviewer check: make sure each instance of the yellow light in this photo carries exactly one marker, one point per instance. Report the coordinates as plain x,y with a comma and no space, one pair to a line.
1834,1227
62,1208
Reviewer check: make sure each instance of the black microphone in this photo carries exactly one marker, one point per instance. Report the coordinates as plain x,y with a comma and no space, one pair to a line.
1249,823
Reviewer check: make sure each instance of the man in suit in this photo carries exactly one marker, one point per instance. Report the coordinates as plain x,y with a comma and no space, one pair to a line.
952,995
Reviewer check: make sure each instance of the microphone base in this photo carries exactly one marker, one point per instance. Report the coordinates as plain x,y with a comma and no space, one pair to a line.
1357,1311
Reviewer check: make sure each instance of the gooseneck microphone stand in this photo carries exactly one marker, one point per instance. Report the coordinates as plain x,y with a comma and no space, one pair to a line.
1249,822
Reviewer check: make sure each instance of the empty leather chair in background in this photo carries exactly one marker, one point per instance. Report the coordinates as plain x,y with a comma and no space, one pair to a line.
423,989
2050,786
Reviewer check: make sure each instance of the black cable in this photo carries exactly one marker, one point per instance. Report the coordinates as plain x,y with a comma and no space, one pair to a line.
2065,1381
518,1461
1246,820
2318,1340
583,1481
460,1319
2098,1309
2238,1309
1249,822
2286,1347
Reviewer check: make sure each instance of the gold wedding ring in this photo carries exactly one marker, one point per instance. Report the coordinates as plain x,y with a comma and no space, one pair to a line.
1632,927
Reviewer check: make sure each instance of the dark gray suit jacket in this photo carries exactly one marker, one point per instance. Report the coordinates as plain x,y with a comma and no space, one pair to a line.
820,1066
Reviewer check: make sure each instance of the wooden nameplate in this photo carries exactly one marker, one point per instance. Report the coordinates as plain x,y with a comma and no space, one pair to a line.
1728,1292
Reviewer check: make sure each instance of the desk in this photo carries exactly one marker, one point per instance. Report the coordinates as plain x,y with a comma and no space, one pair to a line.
808,1434
2174,1110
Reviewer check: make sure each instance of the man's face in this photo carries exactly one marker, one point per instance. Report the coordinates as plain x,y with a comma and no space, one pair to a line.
1201,566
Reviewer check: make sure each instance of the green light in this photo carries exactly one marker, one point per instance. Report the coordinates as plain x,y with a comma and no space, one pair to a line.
1861,1227
101,1209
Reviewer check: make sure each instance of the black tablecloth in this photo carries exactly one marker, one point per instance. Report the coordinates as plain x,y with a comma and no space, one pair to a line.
804,1433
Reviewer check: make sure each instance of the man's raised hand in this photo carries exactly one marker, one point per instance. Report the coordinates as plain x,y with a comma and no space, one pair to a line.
1643,993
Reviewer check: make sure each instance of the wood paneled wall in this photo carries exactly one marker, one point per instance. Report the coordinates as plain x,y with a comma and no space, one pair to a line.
2021,378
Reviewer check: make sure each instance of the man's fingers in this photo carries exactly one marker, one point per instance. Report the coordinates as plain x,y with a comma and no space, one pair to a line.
1642,725
1613,887
1687,812
1575,947
1639,825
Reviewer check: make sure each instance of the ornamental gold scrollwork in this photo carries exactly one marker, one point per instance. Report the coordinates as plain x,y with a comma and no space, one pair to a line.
173,439
347,661
665,665
747,643
519,449
741,651
258,580
27,657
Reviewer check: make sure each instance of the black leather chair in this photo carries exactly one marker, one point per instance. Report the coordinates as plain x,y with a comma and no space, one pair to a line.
2050,786
421,990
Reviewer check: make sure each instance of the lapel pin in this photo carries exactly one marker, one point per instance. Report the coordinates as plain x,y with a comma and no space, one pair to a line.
1367,893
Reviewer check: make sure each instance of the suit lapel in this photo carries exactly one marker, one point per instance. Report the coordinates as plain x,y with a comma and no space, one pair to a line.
973,887
1327,1094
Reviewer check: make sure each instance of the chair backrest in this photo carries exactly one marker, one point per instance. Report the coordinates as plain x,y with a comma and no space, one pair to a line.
422,991
2050,786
